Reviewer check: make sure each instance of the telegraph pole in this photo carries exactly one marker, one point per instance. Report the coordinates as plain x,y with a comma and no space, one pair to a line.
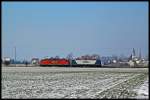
15,55
140,56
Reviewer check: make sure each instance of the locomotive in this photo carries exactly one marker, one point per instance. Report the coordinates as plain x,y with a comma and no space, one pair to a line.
54,62
83,61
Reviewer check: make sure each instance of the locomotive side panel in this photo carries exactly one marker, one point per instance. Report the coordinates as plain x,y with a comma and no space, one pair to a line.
54,62
86,63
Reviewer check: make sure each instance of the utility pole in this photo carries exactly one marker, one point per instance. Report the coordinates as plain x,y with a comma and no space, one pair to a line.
15,55
140,56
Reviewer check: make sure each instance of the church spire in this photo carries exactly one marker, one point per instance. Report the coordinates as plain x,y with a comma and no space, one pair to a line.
133,52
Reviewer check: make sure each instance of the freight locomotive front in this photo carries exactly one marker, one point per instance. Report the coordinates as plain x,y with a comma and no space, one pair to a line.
87,61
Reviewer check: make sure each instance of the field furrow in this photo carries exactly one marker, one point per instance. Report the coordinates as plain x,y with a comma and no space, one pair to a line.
71,84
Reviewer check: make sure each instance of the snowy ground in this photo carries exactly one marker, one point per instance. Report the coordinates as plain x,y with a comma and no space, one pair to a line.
142,90
61,82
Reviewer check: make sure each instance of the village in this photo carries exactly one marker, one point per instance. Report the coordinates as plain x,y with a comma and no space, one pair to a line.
133,60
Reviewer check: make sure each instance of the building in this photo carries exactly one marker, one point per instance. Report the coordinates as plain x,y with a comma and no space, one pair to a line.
137,60
35,61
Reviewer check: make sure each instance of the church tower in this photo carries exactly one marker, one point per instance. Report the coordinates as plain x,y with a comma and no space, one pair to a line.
133,53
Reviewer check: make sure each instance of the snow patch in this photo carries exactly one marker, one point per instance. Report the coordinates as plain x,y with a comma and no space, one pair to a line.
142,91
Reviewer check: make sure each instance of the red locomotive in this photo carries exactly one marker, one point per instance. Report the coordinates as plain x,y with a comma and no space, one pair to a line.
54,62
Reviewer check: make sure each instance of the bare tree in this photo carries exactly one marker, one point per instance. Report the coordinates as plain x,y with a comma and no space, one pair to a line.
57,57
115,57
95,56
70,58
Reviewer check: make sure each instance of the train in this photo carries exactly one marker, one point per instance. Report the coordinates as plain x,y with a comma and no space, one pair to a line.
77,62
83,61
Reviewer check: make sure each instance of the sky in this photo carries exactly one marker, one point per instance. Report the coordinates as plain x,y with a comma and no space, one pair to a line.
39,29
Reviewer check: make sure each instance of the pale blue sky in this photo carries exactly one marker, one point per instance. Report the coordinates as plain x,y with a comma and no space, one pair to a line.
39,29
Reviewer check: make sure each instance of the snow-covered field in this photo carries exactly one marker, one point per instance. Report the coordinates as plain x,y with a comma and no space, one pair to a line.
142,91
62,82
